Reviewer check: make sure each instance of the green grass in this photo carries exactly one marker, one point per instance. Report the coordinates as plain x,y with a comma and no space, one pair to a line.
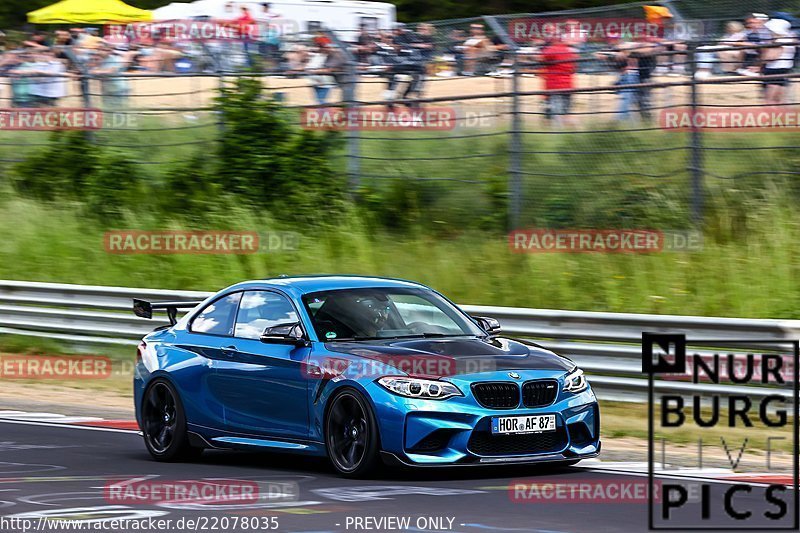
629,420
448,234
751,277
118,382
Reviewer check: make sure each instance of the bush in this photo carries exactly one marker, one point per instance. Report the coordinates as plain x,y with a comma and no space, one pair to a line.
105,181
60,170
268,162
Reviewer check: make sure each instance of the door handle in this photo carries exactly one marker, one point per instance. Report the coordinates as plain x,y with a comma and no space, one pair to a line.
230,351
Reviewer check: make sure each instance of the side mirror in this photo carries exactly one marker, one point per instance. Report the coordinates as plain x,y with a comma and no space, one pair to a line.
290,333
488,324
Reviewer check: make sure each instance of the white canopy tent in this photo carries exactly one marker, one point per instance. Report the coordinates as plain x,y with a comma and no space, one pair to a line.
177,11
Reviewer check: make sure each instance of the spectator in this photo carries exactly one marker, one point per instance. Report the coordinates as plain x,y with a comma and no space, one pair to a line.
63,40
365,46
779,60
86,44
111,65
756,35
735,35
325,63
21,68
247,28
269,35
629,75
404,56
645,56
625,63
226,51
455,49
37,41
477,49
50,83
559,60
500,60
297,58
165,55
230,13
424,41
673,60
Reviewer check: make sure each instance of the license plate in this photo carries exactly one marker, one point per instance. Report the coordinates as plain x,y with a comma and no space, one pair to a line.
504,425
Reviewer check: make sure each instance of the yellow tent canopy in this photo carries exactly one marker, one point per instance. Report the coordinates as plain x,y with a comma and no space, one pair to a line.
88,12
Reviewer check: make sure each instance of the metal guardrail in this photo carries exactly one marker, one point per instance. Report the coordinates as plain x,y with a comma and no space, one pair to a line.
606,345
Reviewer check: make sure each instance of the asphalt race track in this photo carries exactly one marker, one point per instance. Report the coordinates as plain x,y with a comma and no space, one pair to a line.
63,472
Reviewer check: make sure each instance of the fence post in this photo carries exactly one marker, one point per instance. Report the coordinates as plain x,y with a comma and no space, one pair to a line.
219,73
515,140
515,148
350,101
353,135
696,141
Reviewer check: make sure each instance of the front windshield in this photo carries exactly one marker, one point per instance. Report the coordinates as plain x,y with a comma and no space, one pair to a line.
383,313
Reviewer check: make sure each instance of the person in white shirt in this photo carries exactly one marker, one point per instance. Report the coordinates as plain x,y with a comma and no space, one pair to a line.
51,84
779,60
731,60
270,34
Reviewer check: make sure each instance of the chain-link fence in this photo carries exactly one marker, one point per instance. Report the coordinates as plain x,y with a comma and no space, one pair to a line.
585,117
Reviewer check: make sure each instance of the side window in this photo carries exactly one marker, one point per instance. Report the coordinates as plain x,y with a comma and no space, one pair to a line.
217,317
313,25
260,310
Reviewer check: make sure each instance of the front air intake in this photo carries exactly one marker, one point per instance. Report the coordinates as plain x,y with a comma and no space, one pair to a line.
499,395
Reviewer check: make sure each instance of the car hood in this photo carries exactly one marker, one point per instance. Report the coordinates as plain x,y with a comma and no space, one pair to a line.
443,357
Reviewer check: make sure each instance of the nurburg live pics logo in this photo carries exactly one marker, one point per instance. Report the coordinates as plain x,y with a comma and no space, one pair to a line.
727,506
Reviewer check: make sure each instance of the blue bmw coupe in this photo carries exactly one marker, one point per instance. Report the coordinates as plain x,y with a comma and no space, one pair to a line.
364,370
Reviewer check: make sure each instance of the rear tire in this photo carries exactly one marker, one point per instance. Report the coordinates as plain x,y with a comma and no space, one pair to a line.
351,435
164,424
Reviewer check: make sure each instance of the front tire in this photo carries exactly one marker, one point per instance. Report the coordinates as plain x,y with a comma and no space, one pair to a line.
164,424
351,435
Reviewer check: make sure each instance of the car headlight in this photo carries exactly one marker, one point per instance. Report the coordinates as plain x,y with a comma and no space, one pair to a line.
575,381
427,389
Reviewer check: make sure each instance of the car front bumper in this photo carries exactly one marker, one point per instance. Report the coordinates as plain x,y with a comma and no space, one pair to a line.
457,431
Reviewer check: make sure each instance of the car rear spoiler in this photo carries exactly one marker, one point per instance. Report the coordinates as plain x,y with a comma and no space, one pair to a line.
144,309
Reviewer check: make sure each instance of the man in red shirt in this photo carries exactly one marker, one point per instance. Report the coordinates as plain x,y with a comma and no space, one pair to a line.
559,65
248,30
